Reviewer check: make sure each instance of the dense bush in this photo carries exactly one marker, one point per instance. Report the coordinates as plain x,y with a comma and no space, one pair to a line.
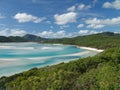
101,40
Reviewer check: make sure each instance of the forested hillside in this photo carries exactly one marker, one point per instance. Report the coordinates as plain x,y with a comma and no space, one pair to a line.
12,39
101,40
25,38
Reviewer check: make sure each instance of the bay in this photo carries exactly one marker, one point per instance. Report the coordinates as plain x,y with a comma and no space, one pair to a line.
19,57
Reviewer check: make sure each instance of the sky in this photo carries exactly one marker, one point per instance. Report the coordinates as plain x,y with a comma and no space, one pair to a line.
58,18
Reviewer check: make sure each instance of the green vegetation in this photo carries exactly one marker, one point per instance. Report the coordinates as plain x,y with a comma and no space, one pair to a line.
26,38
12,39
101,72
17,39
101,40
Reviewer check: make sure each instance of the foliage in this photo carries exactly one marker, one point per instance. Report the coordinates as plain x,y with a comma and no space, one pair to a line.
101,40
26,38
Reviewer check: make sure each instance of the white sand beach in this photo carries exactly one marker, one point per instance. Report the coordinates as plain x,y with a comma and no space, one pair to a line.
91,49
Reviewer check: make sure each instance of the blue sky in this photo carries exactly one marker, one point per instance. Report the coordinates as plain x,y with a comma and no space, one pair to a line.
58,18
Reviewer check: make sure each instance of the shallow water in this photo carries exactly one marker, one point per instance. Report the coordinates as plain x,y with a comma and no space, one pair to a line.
18,57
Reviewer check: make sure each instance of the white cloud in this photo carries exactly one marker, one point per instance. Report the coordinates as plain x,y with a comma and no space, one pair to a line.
58,34
81,6
62,19
84,7
113,21
92,21
4,32
51,34
95,26
80,26
46,34
71,9
83,32
17,32
99,23
24,17
115,4
94,32
63,33
87,32
12,32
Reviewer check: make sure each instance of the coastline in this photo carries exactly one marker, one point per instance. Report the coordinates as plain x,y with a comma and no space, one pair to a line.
91,49
88,51
83,47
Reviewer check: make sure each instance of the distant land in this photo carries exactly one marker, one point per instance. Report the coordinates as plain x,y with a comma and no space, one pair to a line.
101,40
25,38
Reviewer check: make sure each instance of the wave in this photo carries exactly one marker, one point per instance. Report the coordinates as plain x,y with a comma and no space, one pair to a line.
51,48
9,59
46,57
6,47
25,48
15,47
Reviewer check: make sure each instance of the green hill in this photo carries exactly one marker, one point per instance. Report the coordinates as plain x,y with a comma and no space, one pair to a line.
100,72
12,39
101,40
25,38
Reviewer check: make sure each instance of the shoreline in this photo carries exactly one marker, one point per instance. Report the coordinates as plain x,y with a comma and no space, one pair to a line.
88,51
89,48
84,47
81,47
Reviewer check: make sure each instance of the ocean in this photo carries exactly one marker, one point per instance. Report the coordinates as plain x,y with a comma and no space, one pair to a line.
19,57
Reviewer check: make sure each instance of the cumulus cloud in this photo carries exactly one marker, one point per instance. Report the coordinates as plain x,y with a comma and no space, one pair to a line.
4,32
81,6
12,32
24,17
95,26
87,32
71,9
46,34
80,26
92,21
63,33
115,4
99,23
17,32
51,34
63,19
84,7
82,32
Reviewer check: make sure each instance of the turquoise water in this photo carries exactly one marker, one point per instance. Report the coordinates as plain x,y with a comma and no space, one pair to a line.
18,57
